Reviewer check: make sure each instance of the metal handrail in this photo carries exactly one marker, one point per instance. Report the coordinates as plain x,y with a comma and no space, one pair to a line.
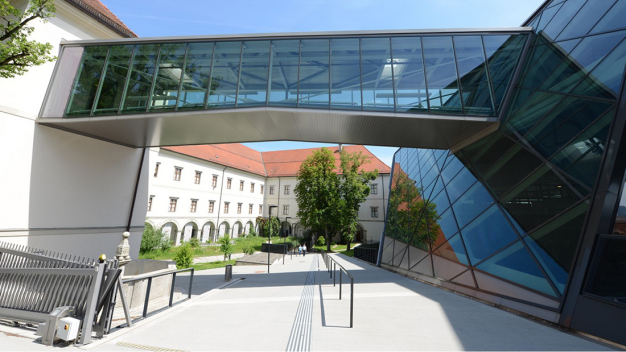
148,288
330,262
366,254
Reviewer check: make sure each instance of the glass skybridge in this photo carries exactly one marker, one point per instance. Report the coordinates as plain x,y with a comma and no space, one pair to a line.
433,75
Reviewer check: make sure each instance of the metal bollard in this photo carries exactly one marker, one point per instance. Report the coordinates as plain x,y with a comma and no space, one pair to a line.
228,275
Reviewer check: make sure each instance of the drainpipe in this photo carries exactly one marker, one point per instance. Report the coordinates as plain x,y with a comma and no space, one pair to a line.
219,203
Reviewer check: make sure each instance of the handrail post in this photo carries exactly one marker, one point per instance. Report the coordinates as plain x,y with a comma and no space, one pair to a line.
335,271
172,288
145,303
340,274
351,301
191,283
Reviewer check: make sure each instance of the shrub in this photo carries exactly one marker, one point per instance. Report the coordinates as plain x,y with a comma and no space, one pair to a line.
252,232
150,239
208,241
249,250
333,243
184,256
226,246
321,241
194,242
165,244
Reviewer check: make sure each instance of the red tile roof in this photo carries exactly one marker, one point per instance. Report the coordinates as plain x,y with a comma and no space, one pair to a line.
287,162
102,13
237,156
269,164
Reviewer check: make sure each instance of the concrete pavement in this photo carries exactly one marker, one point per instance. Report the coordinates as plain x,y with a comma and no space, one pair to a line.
296,307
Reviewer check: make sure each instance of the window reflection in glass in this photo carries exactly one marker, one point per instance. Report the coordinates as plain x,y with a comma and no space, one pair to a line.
196,77
254,69
114,80
377,70
171,61
141,77
225,74
283,86
408,73
86,84
345,74
314,77
443,89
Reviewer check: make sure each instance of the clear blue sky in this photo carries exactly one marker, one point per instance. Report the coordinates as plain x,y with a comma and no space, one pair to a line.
155,18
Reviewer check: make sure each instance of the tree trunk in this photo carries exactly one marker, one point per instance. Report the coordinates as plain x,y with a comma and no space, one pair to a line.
348,247
327,240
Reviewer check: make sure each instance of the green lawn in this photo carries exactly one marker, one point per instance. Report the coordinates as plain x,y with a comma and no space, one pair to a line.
213,265
338,248
207,251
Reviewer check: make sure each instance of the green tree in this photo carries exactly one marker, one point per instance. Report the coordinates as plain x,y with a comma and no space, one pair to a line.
225,246
354,188
150,239
184,256
17,53
318,194
270,226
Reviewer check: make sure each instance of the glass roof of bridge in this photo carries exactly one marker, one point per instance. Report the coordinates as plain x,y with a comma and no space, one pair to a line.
451,74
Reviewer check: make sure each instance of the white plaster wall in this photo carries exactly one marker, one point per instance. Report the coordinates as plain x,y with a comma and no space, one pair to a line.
61,191
163,187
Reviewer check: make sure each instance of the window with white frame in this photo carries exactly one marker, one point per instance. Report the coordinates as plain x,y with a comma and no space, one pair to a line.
271,190
226,206
374,211
239,208
198,176
194,205
150,203
229,182
250,208
287,190
285,210
251,187
173,202
156,169
177,172
241,185
214,182
211,206
374,188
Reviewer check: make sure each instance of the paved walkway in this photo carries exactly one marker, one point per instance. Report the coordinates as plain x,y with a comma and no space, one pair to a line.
296,307
216,258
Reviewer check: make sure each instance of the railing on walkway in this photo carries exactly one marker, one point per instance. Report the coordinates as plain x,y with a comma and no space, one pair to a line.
150,293
366,254
36,286
331,266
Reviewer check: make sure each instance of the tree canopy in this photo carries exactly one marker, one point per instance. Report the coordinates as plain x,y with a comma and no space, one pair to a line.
17,52
328,201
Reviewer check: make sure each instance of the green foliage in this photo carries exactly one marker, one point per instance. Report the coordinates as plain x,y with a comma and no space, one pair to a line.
317,193
194,242
252,232
226,247
165,244
410,219
17,53
151,238
270,226
184,256
249,250
320,241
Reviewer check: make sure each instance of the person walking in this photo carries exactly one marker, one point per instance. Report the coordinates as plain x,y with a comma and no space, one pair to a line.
300,249
304,250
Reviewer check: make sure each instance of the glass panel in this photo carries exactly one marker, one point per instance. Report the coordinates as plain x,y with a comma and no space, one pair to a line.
447,227
571,117
437,189
546,16
459,184
487,234
114,80
613,19
141,77
502,57
453,168
472,203
441,202
85,87
254,69
167,81
581,157
453,250
536,108
606,79
225,74
443,90
345,74
421,221
473,75
538,198
314,74
377,74
583,59
510,169
491,152
588,15
515,264
562,18
554,245
408,73
284,75
540,58
193,92
396,225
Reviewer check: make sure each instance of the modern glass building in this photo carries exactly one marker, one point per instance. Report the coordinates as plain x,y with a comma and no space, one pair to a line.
508,186
532,216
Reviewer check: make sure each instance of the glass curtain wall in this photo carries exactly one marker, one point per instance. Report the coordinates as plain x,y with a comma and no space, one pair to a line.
452,74
511,206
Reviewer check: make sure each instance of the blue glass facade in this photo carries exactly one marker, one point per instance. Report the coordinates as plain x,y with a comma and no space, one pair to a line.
511,207
440,74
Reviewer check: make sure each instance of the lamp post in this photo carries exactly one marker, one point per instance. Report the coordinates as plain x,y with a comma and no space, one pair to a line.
269,237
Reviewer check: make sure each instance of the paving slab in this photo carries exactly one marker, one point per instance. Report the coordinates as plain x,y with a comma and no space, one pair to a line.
297,307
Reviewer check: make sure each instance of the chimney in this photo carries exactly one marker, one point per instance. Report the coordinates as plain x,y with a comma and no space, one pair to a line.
340,148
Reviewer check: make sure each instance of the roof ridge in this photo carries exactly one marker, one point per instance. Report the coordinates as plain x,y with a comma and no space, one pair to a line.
234,166
229,151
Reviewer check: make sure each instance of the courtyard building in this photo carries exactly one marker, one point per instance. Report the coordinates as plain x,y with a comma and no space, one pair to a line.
207,191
